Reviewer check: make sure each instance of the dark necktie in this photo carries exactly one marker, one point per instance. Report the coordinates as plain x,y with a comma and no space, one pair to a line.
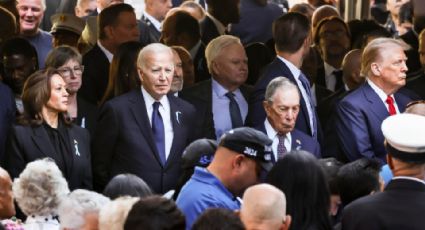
235,112
338,77
281,149
391,107
306,85
158,131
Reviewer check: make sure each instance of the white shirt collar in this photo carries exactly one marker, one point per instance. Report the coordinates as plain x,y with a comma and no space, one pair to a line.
328,69
155,23
294,70
272,135
409,178
108,54
149,100
220,27
378,90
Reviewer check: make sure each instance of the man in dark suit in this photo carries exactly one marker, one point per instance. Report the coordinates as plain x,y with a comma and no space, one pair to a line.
402,204
181,29
417,83
282,104
220,14
332,39
360,113
154,14
291,33
117,24
223,99
145,131
7,115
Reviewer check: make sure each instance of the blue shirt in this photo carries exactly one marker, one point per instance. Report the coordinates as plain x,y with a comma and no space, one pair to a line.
42,42
201,192
220,108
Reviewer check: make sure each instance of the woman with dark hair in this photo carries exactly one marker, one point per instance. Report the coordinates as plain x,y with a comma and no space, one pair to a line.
44,130
299,175
127,185
123,75
67,60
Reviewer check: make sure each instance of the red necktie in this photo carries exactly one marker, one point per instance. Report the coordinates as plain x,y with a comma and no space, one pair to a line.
391,108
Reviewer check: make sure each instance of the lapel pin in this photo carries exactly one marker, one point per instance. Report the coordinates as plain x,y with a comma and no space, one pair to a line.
77,152
178,114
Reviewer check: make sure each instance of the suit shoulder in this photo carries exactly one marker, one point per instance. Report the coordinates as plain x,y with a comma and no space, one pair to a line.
196,91
182,104
301,135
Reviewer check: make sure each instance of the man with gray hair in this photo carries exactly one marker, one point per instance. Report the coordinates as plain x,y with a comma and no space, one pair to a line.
80,209
145,131
282,105
85,7
360,114
31,14
264,208
223,98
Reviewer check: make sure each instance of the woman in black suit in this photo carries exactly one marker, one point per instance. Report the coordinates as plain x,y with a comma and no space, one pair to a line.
44,130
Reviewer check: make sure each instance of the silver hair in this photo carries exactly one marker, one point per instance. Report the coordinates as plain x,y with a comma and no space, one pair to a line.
114,214
40,187
281,83
78,203
43,4
151,48
217,45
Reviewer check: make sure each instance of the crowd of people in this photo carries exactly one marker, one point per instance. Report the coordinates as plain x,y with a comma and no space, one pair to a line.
211,114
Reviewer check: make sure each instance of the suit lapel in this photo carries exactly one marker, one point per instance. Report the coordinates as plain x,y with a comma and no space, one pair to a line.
140,114
376,105
296,141
176,117
41,140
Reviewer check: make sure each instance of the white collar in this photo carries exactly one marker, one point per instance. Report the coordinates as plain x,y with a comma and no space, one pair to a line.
149,100
271,132
409,178
108,54
294,70
41,219
220,27
154,21
378,90
328,69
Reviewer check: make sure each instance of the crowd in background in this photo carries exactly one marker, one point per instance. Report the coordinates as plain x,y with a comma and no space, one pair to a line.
211,114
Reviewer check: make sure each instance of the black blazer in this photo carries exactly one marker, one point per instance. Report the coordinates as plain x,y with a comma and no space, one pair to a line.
29,143
95,76
124,142
400,206
200,95
200,63
151,30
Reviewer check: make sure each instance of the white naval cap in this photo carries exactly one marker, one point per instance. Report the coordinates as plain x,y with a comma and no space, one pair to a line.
405,136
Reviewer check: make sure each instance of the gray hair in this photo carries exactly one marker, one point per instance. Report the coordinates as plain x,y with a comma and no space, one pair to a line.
40,187
78,203
43,4
114,214
152,48
373,52
281,83
263,203
216,46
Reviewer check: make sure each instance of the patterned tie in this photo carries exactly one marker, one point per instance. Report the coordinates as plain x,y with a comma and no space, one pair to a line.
158,132
281,149
235,112
306,85
391,107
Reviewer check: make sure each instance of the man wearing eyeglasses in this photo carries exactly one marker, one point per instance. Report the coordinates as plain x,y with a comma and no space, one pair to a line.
282,105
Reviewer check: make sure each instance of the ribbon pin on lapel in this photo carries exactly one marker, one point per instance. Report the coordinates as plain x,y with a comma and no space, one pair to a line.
77,152
298,143
178,113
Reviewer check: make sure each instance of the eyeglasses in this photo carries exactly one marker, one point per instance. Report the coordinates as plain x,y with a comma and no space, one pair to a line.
66,72
412,103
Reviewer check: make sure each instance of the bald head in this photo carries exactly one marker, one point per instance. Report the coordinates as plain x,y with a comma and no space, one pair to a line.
264,207
322,12
416,108
351,69
7,208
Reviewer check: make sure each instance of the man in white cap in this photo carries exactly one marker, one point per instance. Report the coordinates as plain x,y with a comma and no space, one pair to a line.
402,204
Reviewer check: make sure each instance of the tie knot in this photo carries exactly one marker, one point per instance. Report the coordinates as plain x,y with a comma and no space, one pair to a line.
281,137
230,95
156,105
389,100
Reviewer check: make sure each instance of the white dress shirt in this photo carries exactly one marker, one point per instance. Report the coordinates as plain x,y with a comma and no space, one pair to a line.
164,110
330,78
157,24
108,54
382,95
272,134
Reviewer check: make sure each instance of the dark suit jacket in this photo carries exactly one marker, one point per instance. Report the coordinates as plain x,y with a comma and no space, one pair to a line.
146,35
200,64
417,85
208,30
200,96
321,93
95,76
321,78
257,115
400,206
7,115
358,123
87,113
124,142
413,63
300,141
153,33
29,143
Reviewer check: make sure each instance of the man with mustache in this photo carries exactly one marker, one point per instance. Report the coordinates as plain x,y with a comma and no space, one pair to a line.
360,113
282,105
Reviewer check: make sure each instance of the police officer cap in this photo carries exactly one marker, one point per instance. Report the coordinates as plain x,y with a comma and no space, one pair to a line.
405,136
67,22
199,153
251,143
